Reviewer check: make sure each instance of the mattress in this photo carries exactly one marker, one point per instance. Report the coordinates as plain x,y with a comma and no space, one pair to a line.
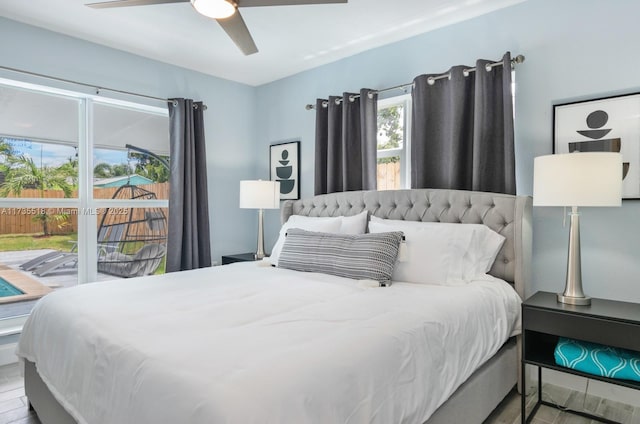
254,344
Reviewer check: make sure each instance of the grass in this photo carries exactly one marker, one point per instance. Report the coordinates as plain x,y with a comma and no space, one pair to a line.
17,242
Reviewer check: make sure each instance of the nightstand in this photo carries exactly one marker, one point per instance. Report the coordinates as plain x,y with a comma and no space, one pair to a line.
544,320
238,257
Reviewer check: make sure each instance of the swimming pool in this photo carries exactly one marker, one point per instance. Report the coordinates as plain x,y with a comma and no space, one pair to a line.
6,289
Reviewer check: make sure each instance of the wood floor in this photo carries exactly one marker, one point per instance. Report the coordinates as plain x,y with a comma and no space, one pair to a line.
508,412
14,410
13,403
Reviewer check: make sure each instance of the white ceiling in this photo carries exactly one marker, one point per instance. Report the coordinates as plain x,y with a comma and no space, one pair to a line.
291,39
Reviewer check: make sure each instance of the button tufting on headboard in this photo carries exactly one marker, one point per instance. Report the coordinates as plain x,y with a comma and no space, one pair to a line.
505,214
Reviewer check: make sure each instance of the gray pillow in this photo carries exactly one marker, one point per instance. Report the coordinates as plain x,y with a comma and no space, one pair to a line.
361,257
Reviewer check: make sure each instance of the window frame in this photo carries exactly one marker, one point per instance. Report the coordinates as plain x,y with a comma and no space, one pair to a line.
87,223
404,152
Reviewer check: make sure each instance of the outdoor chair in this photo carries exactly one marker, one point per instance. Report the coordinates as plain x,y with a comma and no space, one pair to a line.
144,262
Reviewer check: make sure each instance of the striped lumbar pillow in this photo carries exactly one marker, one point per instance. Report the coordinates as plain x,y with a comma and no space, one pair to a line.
361,257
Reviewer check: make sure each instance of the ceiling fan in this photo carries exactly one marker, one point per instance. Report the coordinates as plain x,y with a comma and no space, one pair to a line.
224,11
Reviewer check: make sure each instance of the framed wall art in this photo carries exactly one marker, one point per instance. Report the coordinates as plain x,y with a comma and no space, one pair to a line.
608,124
284,159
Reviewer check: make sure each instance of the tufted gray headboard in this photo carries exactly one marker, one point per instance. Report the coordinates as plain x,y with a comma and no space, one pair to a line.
506,214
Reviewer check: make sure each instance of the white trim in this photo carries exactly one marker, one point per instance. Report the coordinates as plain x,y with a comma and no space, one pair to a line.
9,327
73,203
58,92
10,331
38,202
388,153
408,113
8,354
123,104
114,203
87,235
395,100
37,88
41,140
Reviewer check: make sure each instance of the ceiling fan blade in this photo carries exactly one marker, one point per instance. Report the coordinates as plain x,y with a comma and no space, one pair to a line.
237,30
259,3
126,3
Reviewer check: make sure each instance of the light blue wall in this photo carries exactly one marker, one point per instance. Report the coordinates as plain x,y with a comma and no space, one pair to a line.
230,139
575,49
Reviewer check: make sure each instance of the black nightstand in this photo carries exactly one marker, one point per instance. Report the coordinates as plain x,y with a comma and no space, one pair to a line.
606,322
238,257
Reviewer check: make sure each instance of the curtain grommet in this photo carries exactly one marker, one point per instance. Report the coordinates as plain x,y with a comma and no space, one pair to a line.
431,80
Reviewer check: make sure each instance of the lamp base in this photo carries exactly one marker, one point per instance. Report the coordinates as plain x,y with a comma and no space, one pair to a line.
260,249
570,300
573,294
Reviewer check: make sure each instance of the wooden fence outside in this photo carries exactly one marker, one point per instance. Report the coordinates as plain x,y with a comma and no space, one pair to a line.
22,220
389,176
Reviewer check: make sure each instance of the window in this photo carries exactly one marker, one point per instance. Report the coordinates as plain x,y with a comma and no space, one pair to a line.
63,157
393,142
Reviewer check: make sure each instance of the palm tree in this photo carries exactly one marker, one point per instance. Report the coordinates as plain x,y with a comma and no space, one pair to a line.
22,173
6,149
69,170
105,170
102,170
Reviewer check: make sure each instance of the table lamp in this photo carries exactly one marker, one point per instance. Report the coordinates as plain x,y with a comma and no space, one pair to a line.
577,179
260,195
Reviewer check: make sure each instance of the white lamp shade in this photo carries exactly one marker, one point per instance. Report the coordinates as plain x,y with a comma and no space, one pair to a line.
578,179
259,194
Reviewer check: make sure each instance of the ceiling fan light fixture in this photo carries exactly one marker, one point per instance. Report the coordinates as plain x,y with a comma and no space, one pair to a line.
216,9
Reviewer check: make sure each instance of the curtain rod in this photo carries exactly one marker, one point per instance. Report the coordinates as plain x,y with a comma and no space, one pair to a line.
95,87
430,81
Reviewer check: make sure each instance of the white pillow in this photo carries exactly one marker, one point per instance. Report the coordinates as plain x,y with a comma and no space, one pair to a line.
356,224
442,253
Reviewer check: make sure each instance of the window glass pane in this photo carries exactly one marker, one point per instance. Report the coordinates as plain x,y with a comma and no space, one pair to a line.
391,127
389,173
131,241
31,115
38,144
38,248
116,165
30,169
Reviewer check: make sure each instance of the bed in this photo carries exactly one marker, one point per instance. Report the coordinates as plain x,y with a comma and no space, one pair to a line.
251,343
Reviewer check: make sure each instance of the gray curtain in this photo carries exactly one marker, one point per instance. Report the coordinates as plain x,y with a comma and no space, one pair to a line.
188,244
346,147
462,130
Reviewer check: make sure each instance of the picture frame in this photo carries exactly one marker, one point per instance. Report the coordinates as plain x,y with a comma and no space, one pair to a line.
609,124
284,167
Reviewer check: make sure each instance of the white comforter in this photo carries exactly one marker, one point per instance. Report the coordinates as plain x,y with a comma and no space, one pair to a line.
245,344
